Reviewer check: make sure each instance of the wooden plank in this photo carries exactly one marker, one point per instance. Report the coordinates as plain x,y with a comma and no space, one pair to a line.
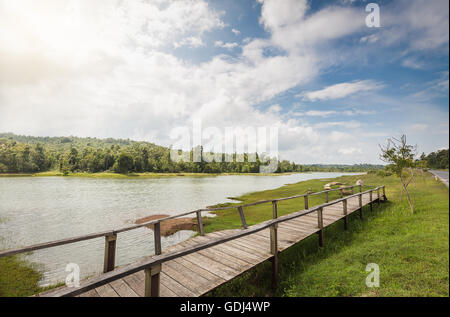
283,240
106,291
194,267
302,224
229,260
136,283
91,293
298,226
175,286
187,272
122,289
166,292
192,287
247,246
218,268
245,256
293,233
299,232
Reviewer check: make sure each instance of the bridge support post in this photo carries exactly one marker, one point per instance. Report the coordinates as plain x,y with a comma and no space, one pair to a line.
320,224
352,189
274,246
152,281
384,193
371,198
378,196
157,238
360,206
200,223
110,253
152,274
344,203
241,214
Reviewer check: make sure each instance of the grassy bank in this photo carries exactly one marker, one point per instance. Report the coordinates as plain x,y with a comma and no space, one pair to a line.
412,250
133,175
18,277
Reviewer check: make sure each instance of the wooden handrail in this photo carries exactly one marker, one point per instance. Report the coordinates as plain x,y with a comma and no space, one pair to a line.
65,241
149,263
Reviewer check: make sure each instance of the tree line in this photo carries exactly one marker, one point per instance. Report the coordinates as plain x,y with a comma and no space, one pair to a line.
23,154
436,160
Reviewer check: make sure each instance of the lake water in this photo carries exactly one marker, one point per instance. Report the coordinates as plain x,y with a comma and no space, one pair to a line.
41,209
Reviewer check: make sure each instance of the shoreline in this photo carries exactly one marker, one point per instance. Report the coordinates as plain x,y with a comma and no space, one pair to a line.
140,175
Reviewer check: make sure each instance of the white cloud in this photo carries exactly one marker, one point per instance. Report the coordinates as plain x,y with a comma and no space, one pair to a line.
350,151
342,90
116,76
421,24
346,124
191,41
236,32
228,46
419,127
315,113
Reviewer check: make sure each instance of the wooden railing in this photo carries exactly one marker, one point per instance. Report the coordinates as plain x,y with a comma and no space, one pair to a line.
152,266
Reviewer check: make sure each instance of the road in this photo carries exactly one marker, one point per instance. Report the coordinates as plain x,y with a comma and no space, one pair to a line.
442,175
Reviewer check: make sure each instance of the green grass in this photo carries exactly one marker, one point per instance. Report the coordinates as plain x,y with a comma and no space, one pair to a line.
412,250
18,277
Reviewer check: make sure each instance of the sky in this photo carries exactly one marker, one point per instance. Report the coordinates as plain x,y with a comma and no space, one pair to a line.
334,87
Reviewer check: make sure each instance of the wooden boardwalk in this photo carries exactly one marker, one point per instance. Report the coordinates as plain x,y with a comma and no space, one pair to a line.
199,265
198,273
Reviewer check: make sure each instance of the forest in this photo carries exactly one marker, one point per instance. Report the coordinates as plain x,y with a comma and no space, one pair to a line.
436,160
26,154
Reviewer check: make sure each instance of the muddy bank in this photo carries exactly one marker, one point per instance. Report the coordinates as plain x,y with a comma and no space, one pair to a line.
169,227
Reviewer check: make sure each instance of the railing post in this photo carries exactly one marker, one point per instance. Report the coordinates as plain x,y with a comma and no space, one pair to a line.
306,202
341,192
378,196
157,238
152,281
371,198
241,214
360,188
352,189
344,204
200,223
152,274
326,197
274,246
360,206
320,225
110,252
384,193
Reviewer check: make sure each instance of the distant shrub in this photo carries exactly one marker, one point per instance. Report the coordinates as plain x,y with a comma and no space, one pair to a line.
384,173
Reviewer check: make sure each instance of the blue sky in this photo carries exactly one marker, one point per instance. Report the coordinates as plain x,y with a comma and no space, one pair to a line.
333,87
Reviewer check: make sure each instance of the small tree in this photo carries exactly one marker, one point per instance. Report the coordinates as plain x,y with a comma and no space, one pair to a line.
124,163
400,156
